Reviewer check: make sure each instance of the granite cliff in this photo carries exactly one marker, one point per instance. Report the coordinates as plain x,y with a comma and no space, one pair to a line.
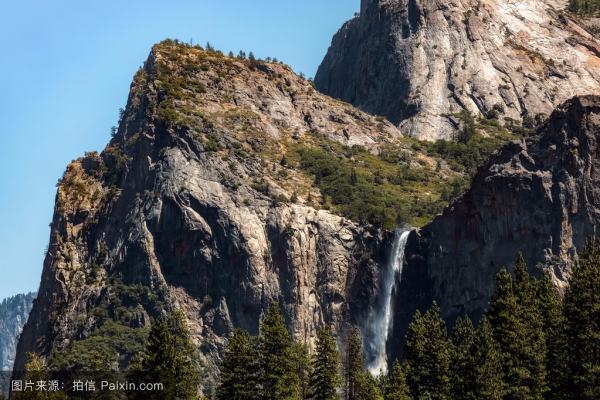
229,184
418,63
232,183
539,196
14,312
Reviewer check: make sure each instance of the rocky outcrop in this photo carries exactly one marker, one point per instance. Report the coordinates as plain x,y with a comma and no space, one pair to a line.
420,62
539,196
14,312
197,203
191,206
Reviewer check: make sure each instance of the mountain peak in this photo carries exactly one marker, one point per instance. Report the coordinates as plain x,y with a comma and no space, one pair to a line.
418,62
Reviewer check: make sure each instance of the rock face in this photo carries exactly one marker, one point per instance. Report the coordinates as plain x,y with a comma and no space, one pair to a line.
539,196
418,62
188,207
194,205
14,312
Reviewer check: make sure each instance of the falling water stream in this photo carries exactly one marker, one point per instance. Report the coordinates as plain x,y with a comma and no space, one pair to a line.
379,322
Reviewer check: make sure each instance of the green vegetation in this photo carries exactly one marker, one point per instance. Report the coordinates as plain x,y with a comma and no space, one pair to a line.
531,345
325,379
589,7
581,336
471,148
428,355
109,345
383,190
396,387
169,358
36,371
240,369
279,380
359,383
518,328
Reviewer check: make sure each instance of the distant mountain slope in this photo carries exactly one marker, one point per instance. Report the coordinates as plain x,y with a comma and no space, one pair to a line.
14,312
420,62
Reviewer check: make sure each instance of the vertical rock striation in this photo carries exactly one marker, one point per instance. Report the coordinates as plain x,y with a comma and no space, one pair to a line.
14,312
539,196
190,206
418,62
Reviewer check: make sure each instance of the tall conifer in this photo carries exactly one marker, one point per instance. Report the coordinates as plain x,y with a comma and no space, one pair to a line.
518,328
582,326
325,379
280,379
239,372
462,371
427,352
486,365
354,365
169,358
396,386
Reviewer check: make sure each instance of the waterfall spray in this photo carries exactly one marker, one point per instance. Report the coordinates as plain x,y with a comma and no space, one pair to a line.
380,319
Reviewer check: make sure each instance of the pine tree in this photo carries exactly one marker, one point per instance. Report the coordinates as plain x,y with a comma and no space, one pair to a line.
280,379
531,349
396,386
427,352
550,305
486,363
585,6
462,371
325,379
368,387
517,323
239,372
301,359
582,326
353,177
360,385
169,358
354,365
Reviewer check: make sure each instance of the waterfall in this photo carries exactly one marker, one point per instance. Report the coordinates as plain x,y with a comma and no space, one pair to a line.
379,322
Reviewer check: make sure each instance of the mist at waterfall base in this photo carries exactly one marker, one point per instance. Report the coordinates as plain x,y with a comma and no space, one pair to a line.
379,323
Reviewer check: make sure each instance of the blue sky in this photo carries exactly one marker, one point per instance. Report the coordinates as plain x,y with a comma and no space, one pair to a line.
65,70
